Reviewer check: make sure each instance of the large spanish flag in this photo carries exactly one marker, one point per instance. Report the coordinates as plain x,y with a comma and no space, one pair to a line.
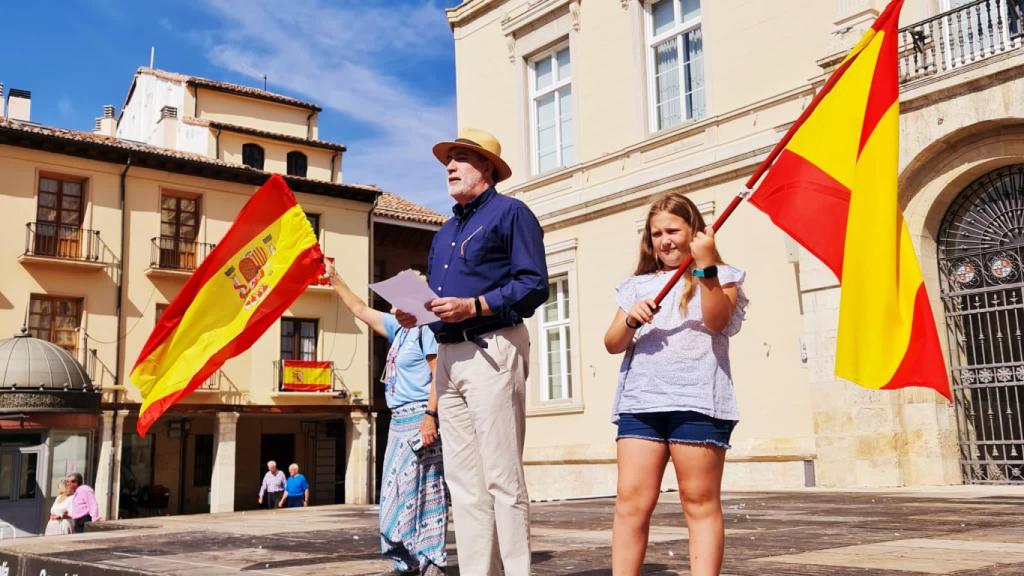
265,261
833,189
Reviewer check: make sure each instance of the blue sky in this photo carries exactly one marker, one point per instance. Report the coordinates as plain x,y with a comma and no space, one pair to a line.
383,70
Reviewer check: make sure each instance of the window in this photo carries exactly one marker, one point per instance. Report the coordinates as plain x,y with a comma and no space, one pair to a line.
551,110
55,320
136,468
555,337
298,339
252,155
296,164
59,218
179,224
202,472
70,451
675,57
314,221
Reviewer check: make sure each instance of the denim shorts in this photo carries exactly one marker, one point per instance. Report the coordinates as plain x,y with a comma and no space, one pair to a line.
676,427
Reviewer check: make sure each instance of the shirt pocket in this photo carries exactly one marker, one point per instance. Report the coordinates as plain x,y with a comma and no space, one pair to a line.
480,245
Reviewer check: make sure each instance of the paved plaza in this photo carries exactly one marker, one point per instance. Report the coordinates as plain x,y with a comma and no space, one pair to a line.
966,531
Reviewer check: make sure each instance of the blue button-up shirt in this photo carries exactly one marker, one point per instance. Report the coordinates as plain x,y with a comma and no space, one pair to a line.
493,247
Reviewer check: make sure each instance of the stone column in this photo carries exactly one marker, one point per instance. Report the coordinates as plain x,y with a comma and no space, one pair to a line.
222,485
357,475
102,484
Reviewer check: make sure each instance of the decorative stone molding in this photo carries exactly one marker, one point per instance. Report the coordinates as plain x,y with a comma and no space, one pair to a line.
534,11
574,13
510,44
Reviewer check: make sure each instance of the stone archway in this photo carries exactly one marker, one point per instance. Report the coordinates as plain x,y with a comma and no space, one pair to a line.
981,278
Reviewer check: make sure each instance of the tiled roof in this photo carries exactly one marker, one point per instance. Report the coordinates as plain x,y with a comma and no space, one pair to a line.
111,149
229,87
265,134
398,208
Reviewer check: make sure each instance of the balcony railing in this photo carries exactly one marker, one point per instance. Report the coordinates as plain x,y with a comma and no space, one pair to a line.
212,383
962,36
54,240
295,376
176,254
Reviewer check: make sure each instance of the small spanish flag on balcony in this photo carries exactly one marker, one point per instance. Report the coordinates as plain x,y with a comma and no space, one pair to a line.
306,376
264,262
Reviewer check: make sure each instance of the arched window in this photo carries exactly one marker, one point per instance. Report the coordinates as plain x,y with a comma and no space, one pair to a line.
252,155
296,164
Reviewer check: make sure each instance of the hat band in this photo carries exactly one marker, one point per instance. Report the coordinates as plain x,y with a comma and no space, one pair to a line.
467,141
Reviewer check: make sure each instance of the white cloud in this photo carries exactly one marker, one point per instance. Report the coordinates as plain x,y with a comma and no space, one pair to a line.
344,56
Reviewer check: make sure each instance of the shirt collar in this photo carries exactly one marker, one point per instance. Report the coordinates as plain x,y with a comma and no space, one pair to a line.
461,211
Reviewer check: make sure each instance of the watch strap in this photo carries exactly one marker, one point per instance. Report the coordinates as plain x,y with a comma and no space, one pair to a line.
709,272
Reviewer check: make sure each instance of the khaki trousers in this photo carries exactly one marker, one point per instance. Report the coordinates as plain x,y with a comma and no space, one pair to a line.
481,404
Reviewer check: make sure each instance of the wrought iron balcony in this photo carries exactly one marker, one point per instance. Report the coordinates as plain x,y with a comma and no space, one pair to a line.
298,376
960,37
52,240
176,254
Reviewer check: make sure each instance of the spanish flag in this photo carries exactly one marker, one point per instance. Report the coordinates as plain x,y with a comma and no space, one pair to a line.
306,376
833,189
265,261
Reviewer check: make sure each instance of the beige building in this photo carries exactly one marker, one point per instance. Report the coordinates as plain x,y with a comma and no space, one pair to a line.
104,228
602,104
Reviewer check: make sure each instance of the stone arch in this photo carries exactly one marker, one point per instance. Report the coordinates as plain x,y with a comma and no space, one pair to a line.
933,179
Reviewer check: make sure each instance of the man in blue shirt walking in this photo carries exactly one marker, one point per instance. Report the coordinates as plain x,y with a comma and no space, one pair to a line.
296,489
487,266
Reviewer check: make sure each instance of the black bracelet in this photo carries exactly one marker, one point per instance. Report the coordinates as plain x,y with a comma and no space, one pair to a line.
637,327
479,308
432,413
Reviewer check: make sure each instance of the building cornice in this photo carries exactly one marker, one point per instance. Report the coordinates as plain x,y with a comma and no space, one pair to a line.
467,11
112,150
266,134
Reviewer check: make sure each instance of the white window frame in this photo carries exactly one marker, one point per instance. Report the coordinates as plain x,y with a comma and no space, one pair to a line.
563,324
679,30
535,94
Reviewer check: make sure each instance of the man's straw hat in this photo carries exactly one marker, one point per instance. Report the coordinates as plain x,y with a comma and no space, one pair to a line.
481,142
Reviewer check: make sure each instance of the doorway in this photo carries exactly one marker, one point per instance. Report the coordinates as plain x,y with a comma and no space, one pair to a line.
22,484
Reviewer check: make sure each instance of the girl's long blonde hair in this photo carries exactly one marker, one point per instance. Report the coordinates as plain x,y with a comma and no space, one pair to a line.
62,487
648,263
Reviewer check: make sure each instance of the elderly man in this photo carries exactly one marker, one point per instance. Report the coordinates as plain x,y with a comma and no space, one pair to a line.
272,487
296,489
84,507
487,265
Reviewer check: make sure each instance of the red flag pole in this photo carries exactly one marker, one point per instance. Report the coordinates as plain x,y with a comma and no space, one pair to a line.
779,146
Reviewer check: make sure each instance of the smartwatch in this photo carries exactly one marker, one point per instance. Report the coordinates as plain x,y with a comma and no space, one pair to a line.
709,272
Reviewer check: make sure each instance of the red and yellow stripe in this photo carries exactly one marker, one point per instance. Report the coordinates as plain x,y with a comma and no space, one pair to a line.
264,262
833,189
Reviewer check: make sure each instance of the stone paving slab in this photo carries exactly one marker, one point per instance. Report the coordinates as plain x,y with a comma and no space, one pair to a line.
960,532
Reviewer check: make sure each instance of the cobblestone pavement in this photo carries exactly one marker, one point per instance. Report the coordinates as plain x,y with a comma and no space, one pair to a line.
964,531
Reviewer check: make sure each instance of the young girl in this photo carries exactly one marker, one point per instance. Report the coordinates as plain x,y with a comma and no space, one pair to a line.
675,396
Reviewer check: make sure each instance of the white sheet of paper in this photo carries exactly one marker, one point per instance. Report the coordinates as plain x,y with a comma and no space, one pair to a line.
408,292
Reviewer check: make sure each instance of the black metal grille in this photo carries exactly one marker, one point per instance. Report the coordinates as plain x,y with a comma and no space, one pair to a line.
177,254
62,241
981,251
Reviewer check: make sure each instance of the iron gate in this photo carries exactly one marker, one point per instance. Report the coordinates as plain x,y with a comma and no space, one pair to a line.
981,244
